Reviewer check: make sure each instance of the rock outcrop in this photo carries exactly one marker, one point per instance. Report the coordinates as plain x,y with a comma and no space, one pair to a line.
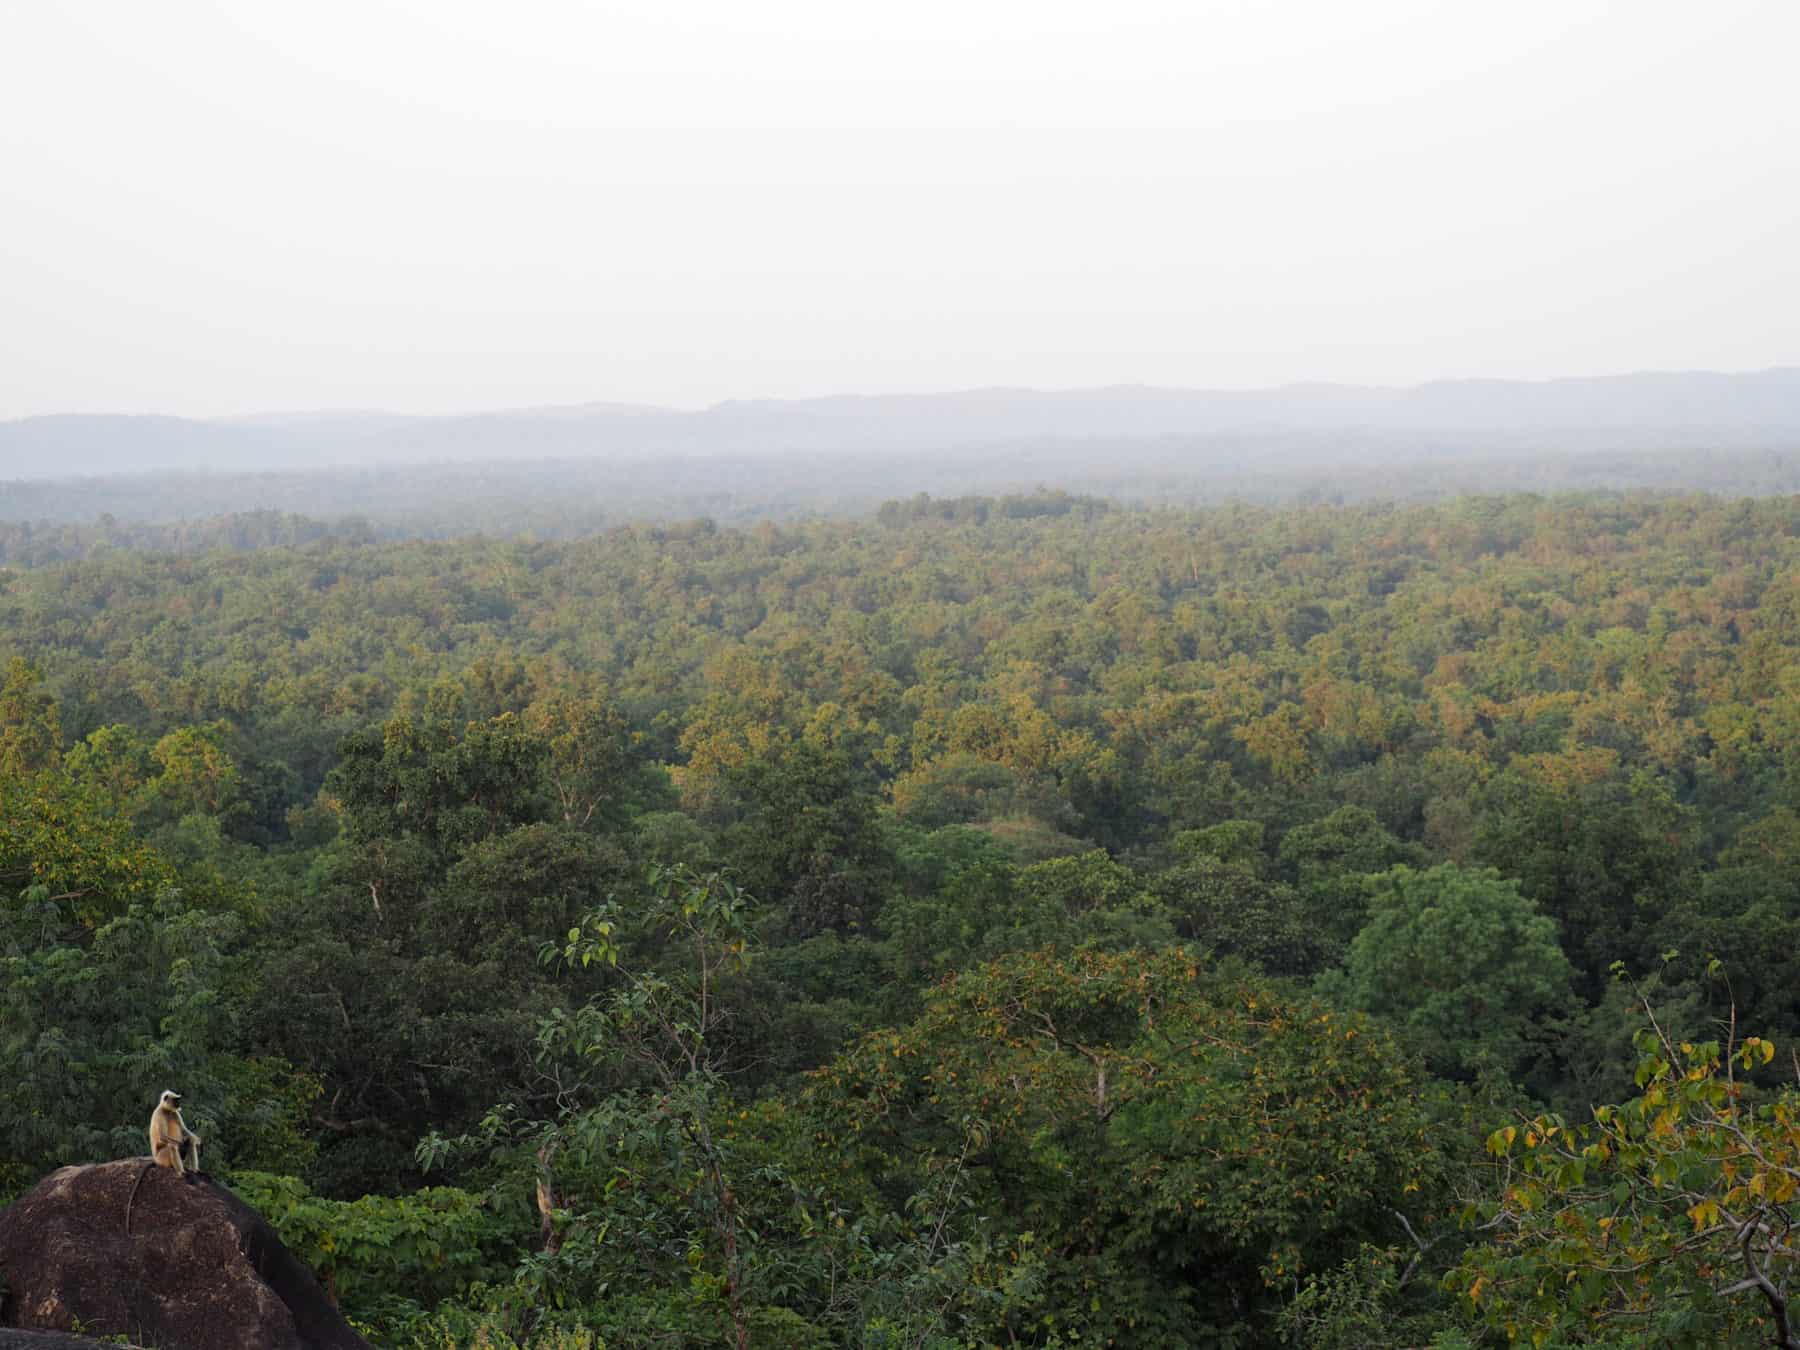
199,1270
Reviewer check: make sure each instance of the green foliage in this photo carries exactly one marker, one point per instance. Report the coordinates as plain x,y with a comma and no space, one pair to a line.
1666,1219
69,848
446,786
807,839
986,908
30,730
1229,907
1147,1117
411,983
960,788
92,1031
290,826
641,1183
1597,858
1238,843
1461,961
195,774
388,1261
1327,861
1364,1304
1599,1054
974,914
457,1328
1082,885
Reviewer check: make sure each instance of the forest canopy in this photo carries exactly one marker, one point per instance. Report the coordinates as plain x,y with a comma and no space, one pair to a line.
983,921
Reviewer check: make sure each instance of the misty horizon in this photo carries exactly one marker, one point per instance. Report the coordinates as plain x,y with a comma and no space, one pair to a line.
604,405
1646,412
560,472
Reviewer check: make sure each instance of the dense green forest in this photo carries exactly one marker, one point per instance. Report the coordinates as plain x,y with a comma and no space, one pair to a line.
981,922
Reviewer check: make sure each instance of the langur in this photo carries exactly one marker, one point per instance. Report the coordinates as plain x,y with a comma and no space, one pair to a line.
172,1143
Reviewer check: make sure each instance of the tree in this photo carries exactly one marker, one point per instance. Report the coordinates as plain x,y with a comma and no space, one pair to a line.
196,774
1598,858
442,785
592,765
30,727
90,1031
1461,962
1327,861
72,848
643,1181
1745,915
1184,1142
1668,1219
1081,885
1280,742
509,893
1235,911
807,840
113,761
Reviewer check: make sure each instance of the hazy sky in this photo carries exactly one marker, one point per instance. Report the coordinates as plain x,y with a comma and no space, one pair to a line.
438,205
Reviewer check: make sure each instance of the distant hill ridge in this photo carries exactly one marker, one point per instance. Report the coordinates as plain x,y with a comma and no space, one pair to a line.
1649,411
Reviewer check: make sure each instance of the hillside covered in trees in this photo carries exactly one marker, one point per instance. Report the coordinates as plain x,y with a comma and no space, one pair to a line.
985,921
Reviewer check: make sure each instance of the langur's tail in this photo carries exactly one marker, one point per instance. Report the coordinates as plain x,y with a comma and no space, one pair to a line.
134,1190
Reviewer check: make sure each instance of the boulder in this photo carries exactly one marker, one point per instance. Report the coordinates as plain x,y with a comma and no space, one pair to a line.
199,1270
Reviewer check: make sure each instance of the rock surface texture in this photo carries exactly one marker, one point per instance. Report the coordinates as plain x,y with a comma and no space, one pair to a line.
199,1270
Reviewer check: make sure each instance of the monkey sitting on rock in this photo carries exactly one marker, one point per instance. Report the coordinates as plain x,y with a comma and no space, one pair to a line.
172,1144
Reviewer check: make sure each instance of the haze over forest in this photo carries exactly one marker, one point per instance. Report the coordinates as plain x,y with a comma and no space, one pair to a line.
1647,411
562,470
